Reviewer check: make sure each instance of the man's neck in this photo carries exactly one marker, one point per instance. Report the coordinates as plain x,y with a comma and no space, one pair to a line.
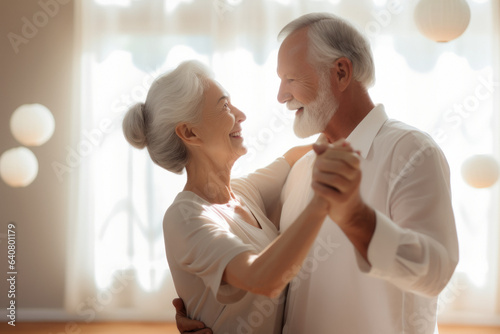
351,111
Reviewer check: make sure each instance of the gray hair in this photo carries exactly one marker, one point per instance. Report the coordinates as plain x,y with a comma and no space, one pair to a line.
331,37
173,98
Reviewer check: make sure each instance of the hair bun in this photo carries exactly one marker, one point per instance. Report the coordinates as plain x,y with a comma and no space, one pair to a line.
134,126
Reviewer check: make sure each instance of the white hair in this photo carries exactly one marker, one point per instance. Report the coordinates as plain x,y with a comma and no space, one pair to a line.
331,37
173,98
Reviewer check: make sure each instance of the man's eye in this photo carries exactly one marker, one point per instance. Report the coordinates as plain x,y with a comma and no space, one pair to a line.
290,80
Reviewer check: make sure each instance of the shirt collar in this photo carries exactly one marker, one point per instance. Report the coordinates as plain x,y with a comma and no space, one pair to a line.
361,138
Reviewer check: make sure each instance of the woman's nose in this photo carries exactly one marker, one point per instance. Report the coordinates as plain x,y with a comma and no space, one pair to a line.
240,115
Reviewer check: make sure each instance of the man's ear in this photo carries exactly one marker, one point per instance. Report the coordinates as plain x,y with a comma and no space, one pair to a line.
341,73
187,133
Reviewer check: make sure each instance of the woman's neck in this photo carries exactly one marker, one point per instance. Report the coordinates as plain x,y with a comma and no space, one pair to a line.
210,180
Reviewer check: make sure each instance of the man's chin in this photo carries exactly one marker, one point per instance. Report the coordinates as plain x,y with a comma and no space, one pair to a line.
302,130
304,133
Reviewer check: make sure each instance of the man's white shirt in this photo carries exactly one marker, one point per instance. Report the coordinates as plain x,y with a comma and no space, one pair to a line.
413,252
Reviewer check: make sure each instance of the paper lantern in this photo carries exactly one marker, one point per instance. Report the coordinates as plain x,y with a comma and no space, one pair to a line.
442,20
480,171
32,124
18,167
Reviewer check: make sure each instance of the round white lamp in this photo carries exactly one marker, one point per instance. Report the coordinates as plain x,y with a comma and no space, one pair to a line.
32,124
442,20
480,171
18,167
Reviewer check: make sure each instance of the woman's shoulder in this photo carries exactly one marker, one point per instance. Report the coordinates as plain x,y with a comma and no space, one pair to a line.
186,205
190,209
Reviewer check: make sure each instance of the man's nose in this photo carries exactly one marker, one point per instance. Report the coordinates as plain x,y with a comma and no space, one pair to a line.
283,94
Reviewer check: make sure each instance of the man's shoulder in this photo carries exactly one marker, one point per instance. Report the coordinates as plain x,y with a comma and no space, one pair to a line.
398,128
399,134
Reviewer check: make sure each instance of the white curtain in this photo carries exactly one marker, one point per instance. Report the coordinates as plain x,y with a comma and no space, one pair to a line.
117,267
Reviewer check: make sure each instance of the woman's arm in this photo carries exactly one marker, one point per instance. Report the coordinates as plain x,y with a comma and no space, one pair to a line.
270,187
268,272
295,153
269,181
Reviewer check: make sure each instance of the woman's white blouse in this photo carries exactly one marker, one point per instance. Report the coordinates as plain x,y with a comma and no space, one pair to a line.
202,238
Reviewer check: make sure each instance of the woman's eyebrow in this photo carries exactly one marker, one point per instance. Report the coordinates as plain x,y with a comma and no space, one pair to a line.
223,97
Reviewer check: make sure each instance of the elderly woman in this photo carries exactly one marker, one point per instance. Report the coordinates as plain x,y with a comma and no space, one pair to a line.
228,261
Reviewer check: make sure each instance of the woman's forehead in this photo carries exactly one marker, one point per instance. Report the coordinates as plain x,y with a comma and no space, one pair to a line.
215,91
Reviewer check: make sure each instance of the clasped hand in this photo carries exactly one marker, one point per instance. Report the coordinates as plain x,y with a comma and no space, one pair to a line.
336,179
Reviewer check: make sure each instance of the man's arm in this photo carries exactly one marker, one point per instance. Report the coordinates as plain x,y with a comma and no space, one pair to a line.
338,179
415,244
416,248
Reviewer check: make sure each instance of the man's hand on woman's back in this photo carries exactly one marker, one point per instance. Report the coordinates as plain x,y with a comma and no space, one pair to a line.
186,325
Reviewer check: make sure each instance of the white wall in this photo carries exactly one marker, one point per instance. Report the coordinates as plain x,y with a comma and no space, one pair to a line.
41,72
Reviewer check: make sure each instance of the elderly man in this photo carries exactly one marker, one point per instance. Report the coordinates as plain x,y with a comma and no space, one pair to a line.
389,246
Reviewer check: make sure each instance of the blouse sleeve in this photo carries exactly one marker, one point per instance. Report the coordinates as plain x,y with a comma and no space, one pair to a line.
201,243
267,183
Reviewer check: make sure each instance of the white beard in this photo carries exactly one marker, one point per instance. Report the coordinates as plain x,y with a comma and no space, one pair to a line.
316,115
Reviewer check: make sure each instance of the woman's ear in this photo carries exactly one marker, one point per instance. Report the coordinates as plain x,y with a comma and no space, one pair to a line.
341,73
187,133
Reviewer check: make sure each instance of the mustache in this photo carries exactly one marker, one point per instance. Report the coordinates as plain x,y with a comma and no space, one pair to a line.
294,105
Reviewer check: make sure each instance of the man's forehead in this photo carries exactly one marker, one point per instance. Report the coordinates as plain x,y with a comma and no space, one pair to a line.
294,49
295,41
291,51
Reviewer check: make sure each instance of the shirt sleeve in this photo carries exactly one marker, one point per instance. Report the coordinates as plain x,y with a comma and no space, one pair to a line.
268,183
201,243
415,246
